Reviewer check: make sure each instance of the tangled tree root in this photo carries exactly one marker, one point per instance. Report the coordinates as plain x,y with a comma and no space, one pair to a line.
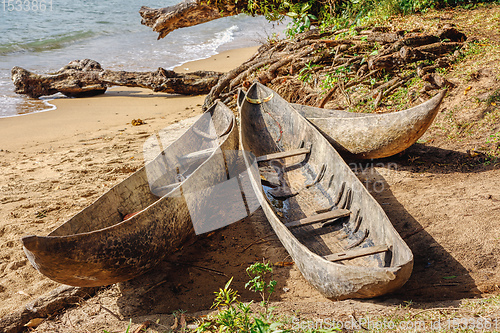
343,69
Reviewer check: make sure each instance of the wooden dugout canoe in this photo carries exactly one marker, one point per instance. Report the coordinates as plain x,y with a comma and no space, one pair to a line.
337,234
369,136
97,247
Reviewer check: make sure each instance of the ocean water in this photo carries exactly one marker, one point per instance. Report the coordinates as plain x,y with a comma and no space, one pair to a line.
44,35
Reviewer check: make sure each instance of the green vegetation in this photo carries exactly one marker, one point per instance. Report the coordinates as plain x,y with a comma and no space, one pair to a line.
339,14
301,18
331,78
257,272
306,73
235,316
479,52
494,138
329,81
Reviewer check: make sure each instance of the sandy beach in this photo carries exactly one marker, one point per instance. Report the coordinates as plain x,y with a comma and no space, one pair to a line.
443,200
55,163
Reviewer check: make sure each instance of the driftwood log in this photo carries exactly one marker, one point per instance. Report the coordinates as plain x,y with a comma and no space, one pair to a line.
82,78
184,14
44,307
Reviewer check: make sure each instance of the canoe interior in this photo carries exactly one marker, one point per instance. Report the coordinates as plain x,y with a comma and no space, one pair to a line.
272,127
137,192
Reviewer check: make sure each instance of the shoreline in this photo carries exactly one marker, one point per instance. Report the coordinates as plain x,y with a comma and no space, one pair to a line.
113,110
239,55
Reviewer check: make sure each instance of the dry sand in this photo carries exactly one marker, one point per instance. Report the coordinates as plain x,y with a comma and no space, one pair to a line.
444,203
54,163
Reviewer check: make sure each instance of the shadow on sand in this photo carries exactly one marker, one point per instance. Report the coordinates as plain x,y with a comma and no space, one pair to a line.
436,274
421,157
188,279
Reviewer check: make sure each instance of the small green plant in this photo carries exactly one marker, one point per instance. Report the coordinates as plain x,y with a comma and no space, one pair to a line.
225,297
258,272
306,73
273,39
178,312
235,316
329,81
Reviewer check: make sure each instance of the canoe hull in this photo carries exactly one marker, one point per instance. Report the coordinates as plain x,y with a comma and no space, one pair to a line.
284,129
113,254
370,136
366,135
334,281
96,248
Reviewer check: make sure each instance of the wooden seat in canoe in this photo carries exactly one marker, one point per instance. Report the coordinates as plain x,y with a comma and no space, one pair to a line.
334,214
356,253
283,154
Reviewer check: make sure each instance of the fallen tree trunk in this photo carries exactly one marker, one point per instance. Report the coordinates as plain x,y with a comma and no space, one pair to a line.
184,14
194,12
82,78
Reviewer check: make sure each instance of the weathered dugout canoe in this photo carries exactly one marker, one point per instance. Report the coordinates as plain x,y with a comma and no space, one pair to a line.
367,135
98,247
337,234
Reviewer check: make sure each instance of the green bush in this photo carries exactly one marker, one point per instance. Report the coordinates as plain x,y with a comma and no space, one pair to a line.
344,13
